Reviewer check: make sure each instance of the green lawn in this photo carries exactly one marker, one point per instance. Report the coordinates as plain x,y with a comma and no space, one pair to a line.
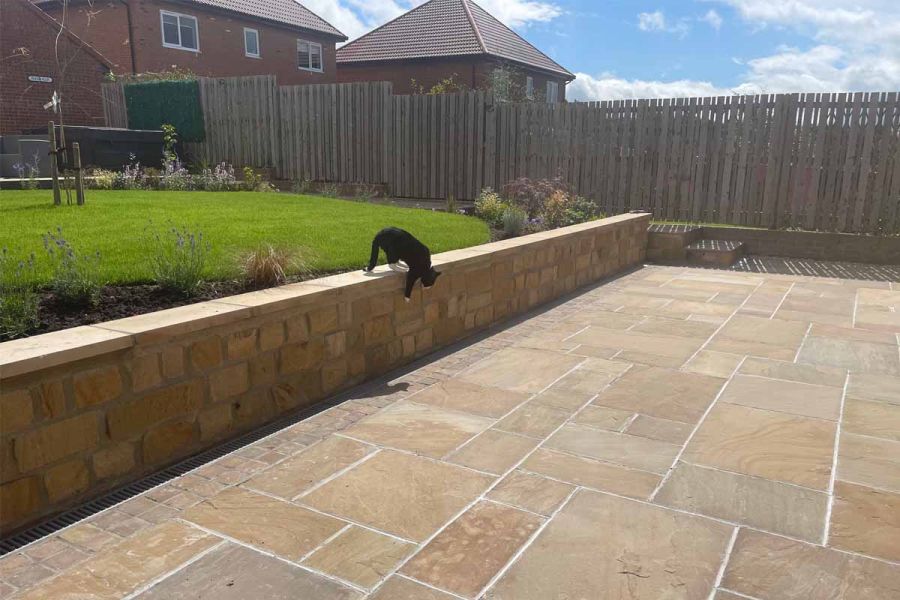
334,234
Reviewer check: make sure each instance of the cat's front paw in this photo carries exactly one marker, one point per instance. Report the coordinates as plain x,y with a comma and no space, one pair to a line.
406,298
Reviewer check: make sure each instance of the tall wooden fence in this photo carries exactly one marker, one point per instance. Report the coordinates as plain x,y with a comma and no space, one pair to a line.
814,161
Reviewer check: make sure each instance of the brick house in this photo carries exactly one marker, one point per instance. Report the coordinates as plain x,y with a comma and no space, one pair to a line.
29,73
223,38
450,38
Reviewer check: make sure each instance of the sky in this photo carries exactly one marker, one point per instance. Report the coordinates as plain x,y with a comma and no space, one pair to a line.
669,48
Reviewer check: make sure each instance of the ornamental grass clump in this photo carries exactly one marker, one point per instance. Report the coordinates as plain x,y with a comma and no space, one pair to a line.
514,221
268,266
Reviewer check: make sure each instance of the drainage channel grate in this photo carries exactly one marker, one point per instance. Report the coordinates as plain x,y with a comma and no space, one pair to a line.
70,517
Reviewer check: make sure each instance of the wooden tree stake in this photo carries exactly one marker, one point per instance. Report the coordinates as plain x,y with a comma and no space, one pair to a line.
79,174
54,172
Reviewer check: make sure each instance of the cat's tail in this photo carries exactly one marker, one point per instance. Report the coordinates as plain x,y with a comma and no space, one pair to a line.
374,258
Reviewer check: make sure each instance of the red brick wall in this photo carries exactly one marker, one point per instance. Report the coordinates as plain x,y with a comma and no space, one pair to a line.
221,37
473,72
21,101
104,25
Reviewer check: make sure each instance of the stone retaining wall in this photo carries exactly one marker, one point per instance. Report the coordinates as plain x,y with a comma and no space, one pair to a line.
90,408
815,245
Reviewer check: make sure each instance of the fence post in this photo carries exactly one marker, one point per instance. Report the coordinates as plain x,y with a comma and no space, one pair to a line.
54,166
79,174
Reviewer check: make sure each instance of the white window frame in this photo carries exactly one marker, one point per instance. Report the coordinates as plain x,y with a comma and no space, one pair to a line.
247,52
552,92
321,68
529,87
179,16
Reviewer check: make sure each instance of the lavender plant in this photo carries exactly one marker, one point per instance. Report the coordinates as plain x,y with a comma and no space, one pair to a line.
76,278
18,299
178,257
219,179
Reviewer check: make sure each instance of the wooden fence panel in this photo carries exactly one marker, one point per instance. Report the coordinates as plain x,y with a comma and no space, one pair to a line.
817,161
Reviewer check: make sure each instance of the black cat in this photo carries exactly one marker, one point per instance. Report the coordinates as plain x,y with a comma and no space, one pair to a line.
401,245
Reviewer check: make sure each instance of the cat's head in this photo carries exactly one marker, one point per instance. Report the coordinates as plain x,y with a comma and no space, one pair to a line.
430,277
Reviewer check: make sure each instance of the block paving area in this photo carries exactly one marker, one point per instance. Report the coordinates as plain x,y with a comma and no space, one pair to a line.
674,433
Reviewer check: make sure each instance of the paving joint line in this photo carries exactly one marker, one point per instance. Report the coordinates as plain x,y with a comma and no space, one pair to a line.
725,560
834,463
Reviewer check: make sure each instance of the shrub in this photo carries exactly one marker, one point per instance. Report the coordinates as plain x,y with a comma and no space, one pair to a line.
365,192
268,266
561,210
174,176
178,259
133,177
29,172
301,186
76,278
18,299
329,190
532,194
489,207
514,221
103,179
255,182
218,179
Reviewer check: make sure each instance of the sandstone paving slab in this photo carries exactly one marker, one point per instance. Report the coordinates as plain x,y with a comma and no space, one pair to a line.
869,461
564,400
669,346
676,327
662,393
766,444
768,566
875,387
234,572
521,369
590,376
360,556
714,364
602,546
622,449
685,308
123,568
819,318
457,395
766,331
866,520
419,428
282,528
876,419
663,430
465,556
804,399
791,371
761,503
407,496
650,359
857,356
852,334
400,588
592,473
533,420
602,417
603,318
493,451
300,472
531,492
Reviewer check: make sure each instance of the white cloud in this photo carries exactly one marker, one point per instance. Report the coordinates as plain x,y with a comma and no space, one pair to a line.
608,87
357,17
713,18
857,46
657,21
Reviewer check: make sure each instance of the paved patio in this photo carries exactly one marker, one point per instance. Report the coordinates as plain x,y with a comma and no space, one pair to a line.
676,433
